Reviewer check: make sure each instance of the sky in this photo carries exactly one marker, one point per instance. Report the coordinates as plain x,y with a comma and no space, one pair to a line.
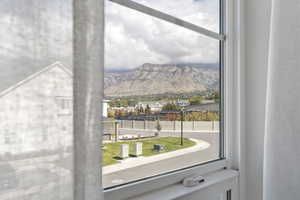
37,33
133,38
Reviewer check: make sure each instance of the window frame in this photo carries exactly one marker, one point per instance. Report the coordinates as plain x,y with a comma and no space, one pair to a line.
231,64
64,105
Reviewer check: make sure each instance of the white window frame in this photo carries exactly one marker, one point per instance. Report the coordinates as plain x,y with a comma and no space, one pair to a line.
232,110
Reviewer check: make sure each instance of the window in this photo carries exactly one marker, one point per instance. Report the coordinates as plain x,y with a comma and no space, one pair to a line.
164,80
64,105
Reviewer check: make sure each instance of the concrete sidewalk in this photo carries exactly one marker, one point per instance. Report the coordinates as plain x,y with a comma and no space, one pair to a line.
134,162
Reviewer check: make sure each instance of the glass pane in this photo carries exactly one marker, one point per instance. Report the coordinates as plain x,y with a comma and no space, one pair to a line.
35,100
153,71
203,13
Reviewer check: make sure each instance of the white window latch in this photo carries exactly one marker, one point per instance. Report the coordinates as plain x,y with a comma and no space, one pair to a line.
192,181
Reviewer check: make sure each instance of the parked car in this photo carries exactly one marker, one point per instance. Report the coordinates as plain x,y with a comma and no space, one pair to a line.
8,177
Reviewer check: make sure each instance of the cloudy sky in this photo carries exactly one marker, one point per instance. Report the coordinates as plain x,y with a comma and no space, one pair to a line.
133,38
36,33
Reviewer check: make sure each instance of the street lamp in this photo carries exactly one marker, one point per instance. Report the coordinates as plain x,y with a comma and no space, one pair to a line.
181,133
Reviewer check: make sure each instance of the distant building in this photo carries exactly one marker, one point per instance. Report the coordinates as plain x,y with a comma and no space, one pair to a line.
210,107
154,106
182,102
207,101
105,107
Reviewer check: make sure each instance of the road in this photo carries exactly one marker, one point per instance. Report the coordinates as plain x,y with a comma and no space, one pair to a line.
48,178
166,165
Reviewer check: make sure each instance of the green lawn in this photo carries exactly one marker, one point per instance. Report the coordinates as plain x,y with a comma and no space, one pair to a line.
112,150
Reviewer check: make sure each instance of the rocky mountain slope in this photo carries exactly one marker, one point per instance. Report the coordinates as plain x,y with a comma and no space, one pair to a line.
153,79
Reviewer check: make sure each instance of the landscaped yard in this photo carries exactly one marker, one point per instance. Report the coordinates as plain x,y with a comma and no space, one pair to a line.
111,151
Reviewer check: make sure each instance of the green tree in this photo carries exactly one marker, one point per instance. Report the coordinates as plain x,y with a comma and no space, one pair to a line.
170,107
141,109
158,128
123,103
195,100
148,109
111,114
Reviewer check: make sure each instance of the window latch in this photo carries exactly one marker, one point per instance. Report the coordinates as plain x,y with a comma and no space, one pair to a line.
192,181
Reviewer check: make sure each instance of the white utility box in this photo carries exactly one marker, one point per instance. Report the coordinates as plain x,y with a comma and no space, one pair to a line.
138,149
124,151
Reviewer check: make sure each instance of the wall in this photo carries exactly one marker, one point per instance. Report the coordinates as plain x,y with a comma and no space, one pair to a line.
171,125
257,23
31,114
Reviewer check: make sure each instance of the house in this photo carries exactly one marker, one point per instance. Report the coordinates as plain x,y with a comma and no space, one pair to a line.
36,112
105,107
182,102
210,107
154,106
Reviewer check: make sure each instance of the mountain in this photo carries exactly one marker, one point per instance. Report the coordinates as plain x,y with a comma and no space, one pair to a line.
154,79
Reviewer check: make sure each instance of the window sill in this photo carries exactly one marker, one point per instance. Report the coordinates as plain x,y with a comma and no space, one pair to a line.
163,181
178,190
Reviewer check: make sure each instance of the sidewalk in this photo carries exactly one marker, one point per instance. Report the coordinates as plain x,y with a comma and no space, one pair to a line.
134,162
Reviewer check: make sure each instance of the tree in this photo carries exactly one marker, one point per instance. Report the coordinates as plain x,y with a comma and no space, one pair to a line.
123,103
120,113
119,103
158,127
195,100
193,116
148,109
172,116
170,107
111,114
141,109
215,96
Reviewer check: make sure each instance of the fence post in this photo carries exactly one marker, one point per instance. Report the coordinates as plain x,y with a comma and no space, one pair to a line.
213,125
174,125
116,131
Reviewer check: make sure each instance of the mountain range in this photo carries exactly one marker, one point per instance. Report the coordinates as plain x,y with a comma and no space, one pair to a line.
157,79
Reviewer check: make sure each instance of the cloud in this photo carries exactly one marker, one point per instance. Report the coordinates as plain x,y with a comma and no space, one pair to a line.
133,38
44,34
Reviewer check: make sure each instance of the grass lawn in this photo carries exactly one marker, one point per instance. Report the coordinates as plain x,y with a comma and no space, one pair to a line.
112,150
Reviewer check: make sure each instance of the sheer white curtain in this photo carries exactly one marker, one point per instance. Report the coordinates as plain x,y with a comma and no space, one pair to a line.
88,94
282,139
50,132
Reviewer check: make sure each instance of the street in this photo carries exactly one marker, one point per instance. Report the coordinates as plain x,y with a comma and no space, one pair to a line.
166,165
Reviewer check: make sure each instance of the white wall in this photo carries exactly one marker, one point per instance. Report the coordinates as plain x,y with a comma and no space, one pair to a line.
31,112
104,109
257,13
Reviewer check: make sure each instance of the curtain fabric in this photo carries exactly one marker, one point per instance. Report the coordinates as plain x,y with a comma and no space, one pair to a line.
88,94
50,131
282,138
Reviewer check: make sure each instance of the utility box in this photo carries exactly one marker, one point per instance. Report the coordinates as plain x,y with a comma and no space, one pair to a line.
138,149
124,153
158,147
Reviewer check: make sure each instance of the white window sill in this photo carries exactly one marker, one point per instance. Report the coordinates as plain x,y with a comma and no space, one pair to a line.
178,190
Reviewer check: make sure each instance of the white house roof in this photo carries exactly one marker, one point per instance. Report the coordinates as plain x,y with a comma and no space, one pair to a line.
15,82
